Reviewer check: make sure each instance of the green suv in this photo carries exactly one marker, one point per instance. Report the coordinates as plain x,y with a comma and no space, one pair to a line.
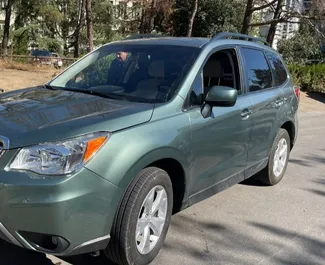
100,157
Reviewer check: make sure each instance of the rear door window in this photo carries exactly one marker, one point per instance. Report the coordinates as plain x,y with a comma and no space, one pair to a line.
279,72
257,68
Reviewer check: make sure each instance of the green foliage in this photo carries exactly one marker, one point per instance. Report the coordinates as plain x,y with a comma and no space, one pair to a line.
104,22
212,16
218,15
53,45
300,48
22,37
309,77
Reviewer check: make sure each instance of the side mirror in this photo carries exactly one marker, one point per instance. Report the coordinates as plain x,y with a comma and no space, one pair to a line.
221,96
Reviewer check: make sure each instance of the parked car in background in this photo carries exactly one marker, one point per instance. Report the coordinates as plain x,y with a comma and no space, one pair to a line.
46,57
56,60
100,157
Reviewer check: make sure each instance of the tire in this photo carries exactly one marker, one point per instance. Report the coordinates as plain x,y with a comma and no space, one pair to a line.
269,175
123,248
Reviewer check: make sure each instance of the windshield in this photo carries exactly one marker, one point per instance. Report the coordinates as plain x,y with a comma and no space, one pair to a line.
143,73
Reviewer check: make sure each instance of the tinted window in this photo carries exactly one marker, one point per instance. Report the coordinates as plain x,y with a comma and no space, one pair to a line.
278,69
258,70
41,53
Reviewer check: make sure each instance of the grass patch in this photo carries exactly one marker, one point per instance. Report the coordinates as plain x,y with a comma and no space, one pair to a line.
21,66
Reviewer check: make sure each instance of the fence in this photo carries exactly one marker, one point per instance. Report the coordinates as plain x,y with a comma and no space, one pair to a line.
39,60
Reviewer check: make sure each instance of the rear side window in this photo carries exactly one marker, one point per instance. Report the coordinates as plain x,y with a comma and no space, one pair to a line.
258,70
279,72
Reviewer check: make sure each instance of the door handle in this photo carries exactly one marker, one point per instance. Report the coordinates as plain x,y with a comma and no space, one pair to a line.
246,113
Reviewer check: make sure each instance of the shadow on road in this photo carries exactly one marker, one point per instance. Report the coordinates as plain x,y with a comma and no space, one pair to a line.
12,255
225,243
321,191
217,243
88,260
317,96
308,161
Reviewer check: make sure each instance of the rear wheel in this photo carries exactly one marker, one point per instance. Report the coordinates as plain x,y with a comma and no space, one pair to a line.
278,159
143,219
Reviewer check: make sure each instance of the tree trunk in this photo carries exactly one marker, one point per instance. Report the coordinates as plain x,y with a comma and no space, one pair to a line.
276,16
147,17
247,17
191,20
6,31
77,32
89,20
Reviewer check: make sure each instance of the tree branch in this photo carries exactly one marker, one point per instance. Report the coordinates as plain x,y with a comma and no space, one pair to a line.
263,6
269,22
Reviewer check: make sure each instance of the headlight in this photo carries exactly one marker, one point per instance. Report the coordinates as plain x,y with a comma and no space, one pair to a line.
59,158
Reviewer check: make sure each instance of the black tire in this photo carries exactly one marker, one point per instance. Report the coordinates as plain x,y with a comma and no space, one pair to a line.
122,248
267,175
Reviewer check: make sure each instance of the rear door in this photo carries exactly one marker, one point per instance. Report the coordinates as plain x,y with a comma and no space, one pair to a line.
267,99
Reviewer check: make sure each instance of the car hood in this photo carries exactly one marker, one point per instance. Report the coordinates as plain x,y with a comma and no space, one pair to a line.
37,115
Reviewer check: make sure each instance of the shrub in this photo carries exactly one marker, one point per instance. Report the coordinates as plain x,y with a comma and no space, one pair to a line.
310,78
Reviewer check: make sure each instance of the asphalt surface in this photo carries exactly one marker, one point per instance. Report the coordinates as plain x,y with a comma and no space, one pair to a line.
246,224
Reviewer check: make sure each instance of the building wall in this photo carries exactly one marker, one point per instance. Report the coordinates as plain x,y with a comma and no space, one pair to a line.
284,30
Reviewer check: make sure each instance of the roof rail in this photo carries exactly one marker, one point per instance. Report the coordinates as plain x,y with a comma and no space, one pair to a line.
144,36
229,35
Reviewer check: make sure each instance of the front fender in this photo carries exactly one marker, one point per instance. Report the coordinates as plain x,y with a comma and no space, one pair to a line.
151,157
129,151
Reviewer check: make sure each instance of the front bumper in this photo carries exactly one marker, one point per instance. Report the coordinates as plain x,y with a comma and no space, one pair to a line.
75,212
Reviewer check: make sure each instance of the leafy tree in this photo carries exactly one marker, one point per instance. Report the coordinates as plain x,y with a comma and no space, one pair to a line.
212,16
104,22
303,46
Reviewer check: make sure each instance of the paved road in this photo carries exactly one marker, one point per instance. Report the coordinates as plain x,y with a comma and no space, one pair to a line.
246,224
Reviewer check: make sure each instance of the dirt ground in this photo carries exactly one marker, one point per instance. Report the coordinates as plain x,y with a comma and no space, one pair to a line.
17,79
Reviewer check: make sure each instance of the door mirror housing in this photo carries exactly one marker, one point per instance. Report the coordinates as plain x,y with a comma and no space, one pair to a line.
221,96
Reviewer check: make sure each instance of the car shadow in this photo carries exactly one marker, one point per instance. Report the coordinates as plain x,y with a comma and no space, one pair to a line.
13,255
317,96
87,260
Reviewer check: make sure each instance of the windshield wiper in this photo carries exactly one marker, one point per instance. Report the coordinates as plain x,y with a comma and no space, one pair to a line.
95,93
87,91
49,87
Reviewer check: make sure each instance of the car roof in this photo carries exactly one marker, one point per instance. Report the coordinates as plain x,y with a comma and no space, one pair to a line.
197,42
179,41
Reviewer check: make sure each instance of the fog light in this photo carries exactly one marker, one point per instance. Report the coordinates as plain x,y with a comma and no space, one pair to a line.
45,243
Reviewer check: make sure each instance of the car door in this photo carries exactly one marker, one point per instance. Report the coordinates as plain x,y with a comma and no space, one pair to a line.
219,142
267,99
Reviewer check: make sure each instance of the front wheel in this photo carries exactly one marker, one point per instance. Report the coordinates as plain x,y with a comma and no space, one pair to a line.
143,219
278,159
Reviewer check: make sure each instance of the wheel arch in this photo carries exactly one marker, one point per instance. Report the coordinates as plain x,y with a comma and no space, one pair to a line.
290,128
169,160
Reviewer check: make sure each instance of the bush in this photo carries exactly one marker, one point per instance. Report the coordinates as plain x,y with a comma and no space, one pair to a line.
310,78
